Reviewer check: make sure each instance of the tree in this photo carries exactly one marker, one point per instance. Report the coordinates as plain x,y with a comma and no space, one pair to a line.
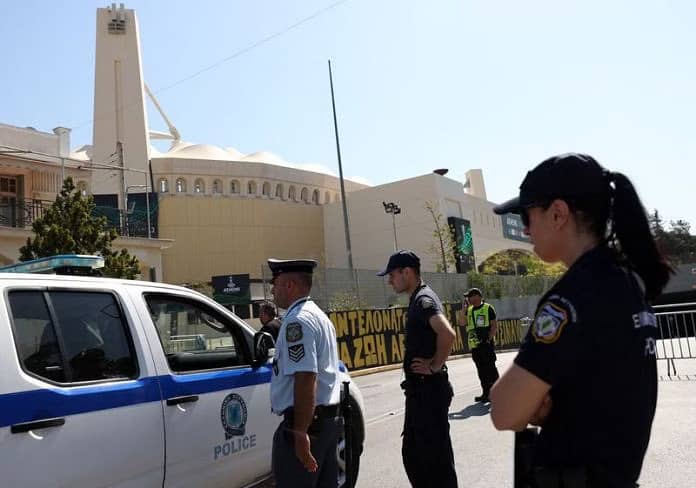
444,243
515,262
69,226
677,243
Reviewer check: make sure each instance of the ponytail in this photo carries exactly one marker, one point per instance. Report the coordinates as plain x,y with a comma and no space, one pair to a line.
631,236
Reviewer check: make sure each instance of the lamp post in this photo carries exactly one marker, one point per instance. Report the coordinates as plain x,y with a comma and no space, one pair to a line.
393,209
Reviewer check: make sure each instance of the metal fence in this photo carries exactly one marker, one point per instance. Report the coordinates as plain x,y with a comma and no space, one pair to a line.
676,334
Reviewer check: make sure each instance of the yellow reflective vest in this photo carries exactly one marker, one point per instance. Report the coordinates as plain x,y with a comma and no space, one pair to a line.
476,320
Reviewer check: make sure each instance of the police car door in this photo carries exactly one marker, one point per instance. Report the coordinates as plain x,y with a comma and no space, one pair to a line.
79,402
218,422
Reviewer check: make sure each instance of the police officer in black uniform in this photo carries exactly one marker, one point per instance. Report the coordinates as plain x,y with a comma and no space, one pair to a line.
586,372
427,447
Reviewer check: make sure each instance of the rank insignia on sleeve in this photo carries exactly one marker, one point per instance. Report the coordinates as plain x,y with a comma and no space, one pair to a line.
296,352
549,323
293,332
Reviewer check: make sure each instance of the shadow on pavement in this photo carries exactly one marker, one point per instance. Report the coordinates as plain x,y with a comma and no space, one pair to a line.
474,410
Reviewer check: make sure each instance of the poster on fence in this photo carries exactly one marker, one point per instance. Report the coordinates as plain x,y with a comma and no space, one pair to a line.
372,338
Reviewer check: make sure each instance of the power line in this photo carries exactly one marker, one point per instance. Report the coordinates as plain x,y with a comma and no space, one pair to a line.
234,55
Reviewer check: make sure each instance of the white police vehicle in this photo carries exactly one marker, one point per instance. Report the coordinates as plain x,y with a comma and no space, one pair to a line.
123,383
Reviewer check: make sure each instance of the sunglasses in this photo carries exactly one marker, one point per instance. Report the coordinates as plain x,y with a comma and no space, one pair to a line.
524,213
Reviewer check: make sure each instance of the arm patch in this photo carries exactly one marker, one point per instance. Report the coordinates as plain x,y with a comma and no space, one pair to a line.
549,323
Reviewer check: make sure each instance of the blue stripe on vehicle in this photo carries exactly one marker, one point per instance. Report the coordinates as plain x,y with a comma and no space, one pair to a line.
27,406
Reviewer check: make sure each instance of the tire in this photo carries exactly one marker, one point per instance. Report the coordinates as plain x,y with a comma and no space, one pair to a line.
357,438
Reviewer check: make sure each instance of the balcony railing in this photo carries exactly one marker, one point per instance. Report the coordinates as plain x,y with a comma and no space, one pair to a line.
20,213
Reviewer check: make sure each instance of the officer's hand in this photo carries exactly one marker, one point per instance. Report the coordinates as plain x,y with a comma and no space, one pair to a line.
303,452
421,366
542,412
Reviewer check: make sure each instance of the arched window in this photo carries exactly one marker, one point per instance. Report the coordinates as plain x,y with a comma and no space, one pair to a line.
315,197
199,186
279,191
327,197
217,186
304,195
251,188
337,197
266,189
292,194
234,186
180,185
82,187
163,185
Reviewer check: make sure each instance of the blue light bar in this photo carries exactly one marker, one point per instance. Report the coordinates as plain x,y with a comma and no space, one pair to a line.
54,264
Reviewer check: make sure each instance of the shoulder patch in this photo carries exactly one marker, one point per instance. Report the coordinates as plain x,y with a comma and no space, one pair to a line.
296,352
427,302
293,332
549,323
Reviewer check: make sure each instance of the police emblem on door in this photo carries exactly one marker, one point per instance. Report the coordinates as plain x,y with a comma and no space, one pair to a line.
233,415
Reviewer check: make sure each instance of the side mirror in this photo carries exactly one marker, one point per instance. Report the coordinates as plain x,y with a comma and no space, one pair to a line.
263,343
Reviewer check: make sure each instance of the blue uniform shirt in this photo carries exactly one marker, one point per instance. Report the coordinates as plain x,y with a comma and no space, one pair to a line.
306,343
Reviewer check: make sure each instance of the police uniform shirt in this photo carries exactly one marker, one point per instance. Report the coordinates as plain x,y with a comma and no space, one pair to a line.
421,340
306,343
593,341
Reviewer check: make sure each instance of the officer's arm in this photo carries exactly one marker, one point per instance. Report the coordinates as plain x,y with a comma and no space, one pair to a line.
515,398
494,328
445,339
305,397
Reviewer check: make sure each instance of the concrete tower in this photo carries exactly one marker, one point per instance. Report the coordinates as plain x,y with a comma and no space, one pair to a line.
120,120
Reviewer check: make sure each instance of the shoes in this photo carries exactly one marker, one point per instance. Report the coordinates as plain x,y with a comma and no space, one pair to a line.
482,398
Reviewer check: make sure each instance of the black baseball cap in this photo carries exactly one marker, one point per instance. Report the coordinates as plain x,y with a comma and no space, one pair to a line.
401,259
472,292
564,176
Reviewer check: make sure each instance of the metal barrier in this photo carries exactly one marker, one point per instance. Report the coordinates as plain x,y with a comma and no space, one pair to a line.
676,334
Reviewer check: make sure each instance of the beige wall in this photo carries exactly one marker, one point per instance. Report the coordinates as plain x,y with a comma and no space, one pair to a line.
216,235
372,235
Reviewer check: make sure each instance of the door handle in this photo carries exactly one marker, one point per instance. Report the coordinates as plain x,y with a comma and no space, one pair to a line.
182,399
37,424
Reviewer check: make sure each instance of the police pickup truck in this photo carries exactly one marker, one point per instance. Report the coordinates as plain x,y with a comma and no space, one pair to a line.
121,383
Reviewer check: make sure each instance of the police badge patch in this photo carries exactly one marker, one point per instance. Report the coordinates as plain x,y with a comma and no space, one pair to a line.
293,332
549,323
296,352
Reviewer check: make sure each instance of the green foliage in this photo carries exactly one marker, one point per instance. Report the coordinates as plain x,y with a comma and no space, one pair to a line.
69,226
444,244
346,300
519,263
677,243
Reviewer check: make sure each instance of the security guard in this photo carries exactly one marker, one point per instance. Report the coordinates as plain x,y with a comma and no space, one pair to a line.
304,386
586,372
481,327
427,447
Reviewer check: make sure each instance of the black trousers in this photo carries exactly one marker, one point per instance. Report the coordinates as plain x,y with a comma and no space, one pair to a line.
427,447
289,472
484,358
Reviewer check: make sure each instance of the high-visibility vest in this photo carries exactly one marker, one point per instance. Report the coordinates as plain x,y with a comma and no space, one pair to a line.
476,319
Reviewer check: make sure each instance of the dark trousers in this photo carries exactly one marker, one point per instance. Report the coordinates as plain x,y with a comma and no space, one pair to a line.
289,472
427,447
484,358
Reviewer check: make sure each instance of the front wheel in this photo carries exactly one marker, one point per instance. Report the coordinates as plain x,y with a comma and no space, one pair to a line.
357,437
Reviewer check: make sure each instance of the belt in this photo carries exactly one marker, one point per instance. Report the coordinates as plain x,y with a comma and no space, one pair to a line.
426,377
320,412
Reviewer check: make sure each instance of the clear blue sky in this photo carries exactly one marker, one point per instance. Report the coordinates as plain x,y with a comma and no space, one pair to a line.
497,85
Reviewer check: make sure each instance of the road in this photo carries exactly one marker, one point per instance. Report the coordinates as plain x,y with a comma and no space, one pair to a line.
483,455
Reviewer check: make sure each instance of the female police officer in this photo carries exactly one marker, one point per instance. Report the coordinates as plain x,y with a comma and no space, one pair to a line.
586,372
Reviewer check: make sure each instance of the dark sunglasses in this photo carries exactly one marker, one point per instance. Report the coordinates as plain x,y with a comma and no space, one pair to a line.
524,213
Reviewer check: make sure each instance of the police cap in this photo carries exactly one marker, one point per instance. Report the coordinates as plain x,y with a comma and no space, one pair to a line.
401,259
564,176
279,266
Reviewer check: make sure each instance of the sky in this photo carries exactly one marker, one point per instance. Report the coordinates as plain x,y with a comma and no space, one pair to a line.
459,84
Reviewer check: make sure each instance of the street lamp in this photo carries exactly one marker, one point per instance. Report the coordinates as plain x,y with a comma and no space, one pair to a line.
393,209
147,206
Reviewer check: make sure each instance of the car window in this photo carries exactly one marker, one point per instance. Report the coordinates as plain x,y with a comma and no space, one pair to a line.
72,336
194,336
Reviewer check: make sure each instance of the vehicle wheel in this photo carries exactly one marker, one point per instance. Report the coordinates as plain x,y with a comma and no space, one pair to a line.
357,436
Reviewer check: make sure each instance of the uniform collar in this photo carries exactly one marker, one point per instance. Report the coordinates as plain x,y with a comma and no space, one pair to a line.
420,286
297,302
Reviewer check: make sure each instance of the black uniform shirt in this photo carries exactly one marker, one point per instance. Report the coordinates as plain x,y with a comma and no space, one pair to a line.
421,340
593,341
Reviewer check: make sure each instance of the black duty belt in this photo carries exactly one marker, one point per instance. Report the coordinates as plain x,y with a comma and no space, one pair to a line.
320,412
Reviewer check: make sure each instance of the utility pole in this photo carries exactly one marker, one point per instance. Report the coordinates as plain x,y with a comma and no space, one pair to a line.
123,203
340,173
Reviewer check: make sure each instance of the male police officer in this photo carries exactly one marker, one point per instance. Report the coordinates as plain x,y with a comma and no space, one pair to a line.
304,386
481,328
427,447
